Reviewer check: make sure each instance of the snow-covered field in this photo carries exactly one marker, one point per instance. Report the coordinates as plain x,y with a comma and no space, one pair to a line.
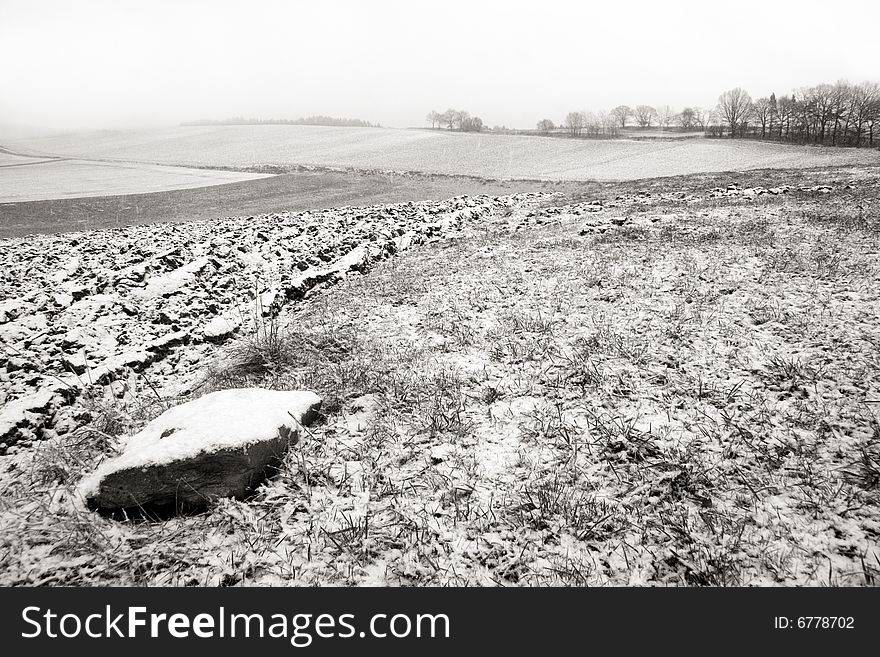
490,156
668,383
105,303
37,180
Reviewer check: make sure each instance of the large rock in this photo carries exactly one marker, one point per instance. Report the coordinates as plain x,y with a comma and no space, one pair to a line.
220,445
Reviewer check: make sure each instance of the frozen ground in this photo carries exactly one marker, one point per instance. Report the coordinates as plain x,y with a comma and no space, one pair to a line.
675,382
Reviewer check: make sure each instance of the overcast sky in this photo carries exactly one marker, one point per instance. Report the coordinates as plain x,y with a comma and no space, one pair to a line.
71,64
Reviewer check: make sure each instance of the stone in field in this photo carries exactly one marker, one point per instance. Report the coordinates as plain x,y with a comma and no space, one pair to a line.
220,445
221,327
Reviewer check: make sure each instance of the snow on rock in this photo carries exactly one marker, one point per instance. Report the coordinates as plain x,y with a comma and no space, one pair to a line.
221,327
170,283
220,445
24,413
10,309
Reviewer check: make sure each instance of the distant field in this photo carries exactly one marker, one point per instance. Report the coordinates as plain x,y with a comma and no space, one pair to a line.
491,156
294,191
662,134
35,180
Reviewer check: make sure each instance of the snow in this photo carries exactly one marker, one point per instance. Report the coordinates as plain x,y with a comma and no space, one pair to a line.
11,308
173,281
502,156
102,301
13,413
221,326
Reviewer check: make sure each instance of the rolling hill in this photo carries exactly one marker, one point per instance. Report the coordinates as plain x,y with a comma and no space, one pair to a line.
482,155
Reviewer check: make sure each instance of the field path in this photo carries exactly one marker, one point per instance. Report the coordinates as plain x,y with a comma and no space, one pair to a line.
10,158
6,151
28,164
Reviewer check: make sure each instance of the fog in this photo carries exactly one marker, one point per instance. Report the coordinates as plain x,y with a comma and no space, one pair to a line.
87,64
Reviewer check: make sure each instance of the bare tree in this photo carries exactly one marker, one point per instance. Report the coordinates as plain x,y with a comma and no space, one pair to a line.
592,124
621,113
762,113
434,118
645,115
607,124
714,123
774,113
864,97
450,118
735,106
842,98
804,114
574,123
687,118
665,115
472,124
819,107
546,125
785,109
701,118
872,119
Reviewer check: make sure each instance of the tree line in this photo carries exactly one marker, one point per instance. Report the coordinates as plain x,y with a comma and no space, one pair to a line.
453,119
610,123
308,120
840,114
